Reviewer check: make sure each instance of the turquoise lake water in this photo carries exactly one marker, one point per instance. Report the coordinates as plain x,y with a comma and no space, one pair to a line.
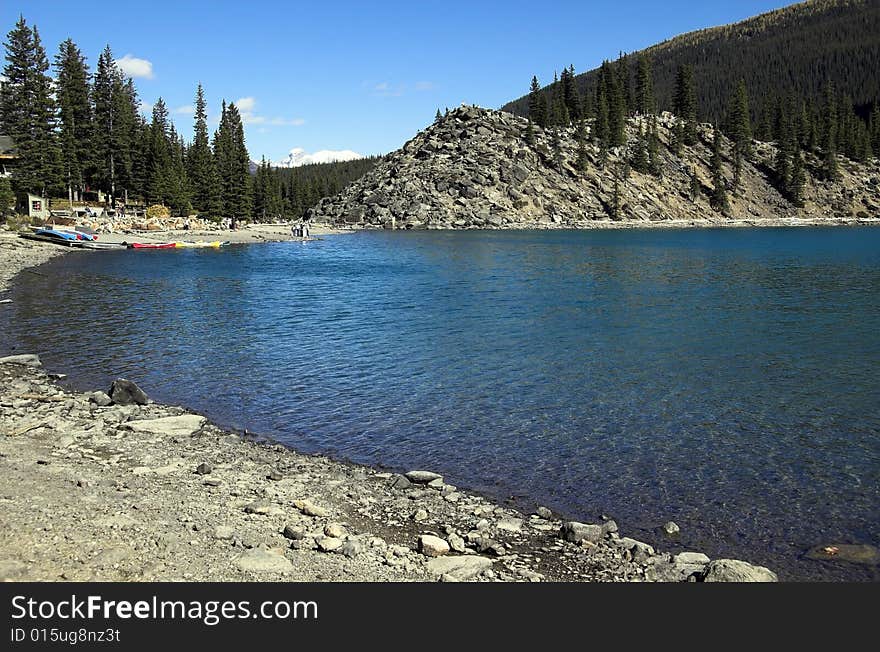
726,379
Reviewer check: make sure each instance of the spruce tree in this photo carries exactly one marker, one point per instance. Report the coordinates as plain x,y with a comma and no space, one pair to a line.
740,130
570,95
875,129
160,188
241,201
178,182
645,103
686,104
437,116
75,113
202,168
797,179
106,121
655,166
537,104
582,161
694,186
719,186
785,146
28,112
616,107
639,154
829,134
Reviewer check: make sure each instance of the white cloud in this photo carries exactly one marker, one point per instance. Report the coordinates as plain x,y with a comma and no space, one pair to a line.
134,67
146,108
424,86
186,109
298,156
247,108
386,89
246,104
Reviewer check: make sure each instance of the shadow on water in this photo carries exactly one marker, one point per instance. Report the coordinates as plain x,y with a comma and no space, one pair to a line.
724,379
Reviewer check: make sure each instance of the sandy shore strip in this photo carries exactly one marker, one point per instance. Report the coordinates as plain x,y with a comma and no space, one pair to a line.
109,486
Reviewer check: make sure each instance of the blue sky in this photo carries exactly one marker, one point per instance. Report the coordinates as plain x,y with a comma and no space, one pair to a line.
362,76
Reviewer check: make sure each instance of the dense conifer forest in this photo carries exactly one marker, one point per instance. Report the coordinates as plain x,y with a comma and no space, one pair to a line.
783,57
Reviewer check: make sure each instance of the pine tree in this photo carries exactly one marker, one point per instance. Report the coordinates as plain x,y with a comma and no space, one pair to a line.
639,155
785,146
829,134
645,103
437,116
202,168
75,112
582,162
160,188
616,106
622,77
655,166
178,182
739,130
7,197
241,199
28,112
570,95
537,104
719,186
797,179
694,187
556,146
686,105
106,125
602,129
875,129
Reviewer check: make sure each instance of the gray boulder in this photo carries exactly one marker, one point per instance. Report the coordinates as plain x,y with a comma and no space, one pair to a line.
733,570
125,392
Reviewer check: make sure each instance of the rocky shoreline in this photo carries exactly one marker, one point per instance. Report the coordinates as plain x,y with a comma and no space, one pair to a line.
99,486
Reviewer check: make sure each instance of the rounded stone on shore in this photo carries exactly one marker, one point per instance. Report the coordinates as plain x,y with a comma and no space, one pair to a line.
100,399
544,513
204,468
27,360
423,477
432,546
733,570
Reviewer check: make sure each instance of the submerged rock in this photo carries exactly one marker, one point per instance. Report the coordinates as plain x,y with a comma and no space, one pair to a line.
854,553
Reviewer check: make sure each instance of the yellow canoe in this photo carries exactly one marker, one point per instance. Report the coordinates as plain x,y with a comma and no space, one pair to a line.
184,245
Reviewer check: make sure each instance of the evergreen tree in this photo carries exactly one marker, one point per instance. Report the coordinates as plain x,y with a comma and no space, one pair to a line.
639,153
582,162
616,106
797,180
239,179
28,112
75,112
655,166
686,105
570,94
829,134
530,132
437,116
178,183
108,128
645,103
537,105
719,186
556,146
7,197
160,187
694,186
739,130
622,76
875,129
785,146
203,176
602,128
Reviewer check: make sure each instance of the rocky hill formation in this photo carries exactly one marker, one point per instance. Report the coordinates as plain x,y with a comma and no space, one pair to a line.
474,168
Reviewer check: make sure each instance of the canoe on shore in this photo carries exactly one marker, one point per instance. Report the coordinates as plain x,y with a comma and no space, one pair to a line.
196,245
152,245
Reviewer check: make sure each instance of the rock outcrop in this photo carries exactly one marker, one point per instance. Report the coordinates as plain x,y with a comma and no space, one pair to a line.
475,169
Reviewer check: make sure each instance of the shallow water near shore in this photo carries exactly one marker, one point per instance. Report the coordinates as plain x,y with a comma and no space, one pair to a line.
726,379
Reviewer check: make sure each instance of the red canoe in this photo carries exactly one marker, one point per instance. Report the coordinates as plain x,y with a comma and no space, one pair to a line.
152,245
